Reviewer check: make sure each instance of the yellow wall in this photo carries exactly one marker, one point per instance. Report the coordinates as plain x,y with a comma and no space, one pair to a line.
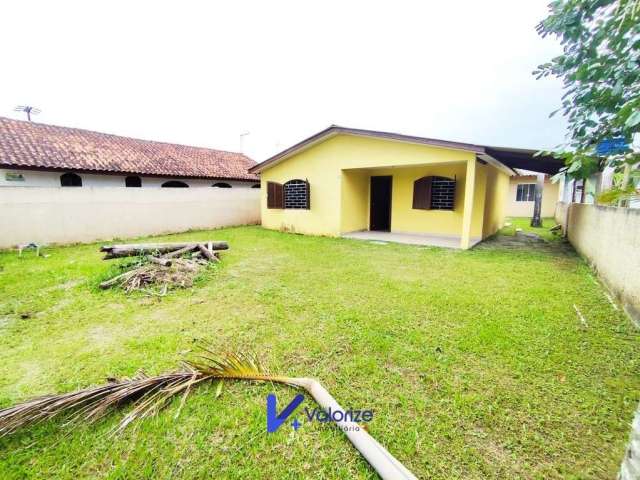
355,201
320,166
339,171
495,201
550,196
477,218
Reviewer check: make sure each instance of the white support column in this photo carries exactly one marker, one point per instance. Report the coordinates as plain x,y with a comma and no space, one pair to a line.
469,193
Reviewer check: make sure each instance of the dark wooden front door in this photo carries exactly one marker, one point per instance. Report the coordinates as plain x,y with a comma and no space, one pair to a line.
380,209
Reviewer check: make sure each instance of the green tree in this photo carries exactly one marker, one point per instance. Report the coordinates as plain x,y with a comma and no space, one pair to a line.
600,70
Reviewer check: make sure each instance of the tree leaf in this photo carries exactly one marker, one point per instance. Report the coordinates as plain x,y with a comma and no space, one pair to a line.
576,165
633,120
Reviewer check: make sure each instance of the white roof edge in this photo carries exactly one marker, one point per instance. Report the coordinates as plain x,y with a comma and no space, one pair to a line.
497,164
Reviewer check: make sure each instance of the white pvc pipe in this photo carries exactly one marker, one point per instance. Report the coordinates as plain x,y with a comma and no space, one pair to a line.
387,466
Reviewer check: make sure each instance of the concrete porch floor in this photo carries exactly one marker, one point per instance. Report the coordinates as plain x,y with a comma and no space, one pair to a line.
408,238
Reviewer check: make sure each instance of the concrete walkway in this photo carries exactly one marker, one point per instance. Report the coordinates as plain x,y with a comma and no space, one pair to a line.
411,239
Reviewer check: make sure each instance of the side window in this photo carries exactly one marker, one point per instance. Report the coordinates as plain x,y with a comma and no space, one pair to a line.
526,192
133,181
297,194
221,185
70,180
256,185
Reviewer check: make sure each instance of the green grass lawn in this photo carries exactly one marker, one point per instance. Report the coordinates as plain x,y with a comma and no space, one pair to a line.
525,224
474,362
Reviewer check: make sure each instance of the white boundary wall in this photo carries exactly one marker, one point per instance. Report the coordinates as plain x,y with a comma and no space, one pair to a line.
39,178
71,215
609,238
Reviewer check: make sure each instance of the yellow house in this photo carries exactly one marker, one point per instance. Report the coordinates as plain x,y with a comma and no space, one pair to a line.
378,185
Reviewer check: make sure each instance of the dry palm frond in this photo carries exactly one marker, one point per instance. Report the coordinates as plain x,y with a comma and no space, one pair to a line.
90,404
232,366
150,394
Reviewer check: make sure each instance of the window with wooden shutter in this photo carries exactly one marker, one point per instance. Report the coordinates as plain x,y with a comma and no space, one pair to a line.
297,194
422,193
434,193
275,197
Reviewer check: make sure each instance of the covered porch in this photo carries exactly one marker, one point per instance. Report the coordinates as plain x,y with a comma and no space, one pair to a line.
383,204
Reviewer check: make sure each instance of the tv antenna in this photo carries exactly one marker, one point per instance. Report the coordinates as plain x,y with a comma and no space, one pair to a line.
242,135
29,110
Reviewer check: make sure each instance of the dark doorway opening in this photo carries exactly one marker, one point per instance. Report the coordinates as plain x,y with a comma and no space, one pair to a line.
380,209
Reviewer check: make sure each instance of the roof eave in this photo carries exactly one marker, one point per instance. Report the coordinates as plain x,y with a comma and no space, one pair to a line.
498,164
15,166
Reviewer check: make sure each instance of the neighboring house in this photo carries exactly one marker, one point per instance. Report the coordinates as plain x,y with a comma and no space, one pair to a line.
421,190
571,189
38,155
522,188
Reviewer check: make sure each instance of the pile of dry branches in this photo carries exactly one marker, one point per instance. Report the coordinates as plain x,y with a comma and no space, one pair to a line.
162,265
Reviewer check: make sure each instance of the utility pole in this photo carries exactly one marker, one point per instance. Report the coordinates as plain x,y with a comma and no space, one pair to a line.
536,220
29,110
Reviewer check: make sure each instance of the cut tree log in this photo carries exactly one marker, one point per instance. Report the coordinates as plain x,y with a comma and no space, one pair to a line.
117,251
140,248
216,245
165,262
182,251
208,254
198,254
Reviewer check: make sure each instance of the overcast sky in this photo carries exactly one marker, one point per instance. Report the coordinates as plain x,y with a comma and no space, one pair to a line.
202,73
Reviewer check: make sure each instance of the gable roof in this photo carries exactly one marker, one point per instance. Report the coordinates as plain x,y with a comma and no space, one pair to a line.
48,147
509,158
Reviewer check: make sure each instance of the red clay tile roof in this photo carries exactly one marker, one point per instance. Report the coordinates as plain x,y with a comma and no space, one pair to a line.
48,147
